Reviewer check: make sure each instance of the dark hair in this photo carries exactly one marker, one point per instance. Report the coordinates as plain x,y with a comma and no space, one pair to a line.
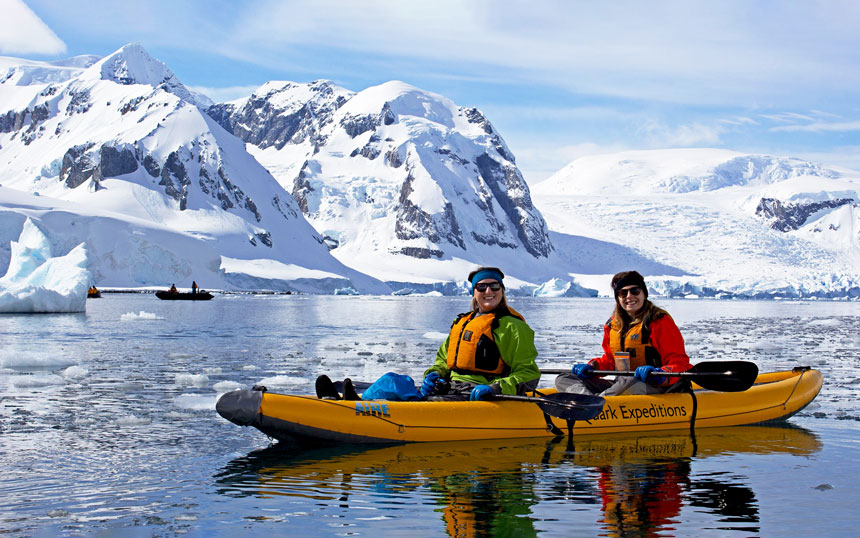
631,278
628,278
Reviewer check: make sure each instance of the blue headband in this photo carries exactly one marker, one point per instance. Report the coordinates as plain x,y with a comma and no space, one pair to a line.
486,273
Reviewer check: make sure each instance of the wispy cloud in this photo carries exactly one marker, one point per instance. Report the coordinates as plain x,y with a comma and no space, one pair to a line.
220,95
694,134
718,52
23,32
843,126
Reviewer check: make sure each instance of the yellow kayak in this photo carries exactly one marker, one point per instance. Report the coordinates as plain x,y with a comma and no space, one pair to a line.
773,398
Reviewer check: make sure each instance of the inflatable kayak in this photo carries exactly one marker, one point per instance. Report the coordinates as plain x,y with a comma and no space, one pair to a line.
170,296
773,398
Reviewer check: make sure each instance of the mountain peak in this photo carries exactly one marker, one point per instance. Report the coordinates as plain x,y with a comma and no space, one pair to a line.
131,64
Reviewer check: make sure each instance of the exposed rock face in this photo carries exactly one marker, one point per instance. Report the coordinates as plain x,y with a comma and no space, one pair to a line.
274,118
787,217
412,223
511,192
115,162
77,166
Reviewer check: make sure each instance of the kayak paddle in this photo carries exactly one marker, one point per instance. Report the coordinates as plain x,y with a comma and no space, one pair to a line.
723,376
563,405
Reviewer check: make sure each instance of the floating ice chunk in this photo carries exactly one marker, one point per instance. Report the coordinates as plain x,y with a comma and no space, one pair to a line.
824,323
133,420
38,380
197,402
28,361
131,316
191,380
766,347
249,367
346,291
176,415
74,372
433,335
38,282
226,386
283,381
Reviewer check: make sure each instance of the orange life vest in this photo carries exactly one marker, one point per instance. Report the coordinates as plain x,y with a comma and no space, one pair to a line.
636,341
472,348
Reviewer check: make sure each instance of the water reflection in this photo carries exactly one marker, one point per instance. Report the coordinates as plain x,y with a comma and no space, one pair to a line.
636,485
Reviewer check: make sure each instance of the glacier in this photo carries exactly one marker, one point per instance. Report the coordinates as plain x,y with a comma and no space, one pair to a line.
38,282
697,213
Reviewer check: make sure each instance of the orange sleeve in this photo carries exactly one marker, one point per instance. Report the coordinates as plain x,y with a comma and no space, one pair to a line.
667,339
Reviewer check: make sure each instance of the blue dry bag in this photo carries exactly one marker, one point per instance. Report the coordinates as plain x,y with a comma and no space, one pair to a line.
391,386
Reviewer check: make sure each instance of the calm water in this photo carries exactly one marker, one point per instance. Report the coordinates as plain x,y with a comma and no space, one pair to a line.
108,428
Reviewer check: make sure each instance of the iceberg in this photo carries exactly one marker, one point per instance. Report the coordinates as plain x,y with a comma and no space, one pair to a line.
36,281
558,287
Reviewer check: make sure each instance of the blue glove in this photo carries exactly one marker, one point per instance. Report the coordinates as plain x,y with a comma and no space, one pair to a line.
481,392
582,371
429,384
642,374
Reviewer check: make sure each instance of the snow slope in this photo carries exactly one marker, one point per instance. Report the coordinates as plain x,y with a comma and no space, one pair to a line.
732,224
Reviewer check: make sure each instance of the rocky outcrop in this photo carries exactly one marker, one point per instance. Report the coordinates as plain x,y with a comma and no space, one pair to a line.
786,217
264,121
115,162
510,191
77,166
413,223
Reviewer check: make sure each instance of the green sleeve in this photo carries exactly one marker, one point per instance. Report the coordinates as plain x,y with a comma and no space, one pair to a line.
516,341
441,364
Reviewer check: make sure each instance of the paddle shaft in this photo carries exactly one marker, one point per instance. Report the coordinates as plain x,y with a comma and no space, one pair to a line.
629,373
725,376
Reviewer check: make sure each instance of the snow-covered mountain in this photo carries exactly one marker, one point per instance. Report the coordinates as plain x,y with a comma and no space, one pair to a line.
721,223
117,153
315,188
403,184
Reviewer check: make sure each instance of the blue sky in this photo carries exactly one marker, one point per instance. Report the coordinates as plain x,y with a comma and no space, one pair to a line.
558,79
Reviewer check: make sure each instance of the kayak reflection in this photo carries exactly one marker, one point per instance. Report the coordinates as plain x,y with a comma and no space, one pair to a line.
641,483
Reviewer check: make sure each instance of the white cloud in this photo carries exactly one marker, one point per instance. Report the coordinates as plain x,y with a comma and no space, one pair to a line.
817,127
672,51
221,95
787,117
23,32
660,135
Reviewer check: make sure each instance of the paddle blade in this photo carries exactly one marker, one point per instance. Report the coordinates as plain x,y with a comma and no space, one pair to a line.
724,376
569,406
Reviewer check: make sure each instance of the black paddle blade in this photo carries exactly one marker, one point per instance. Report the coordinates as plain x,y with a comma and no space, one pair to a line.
569,406
724,376
563,405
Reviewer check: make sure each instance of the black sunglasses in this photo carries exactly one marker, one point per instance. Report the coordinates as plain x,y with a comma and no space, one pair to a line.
482,287
632,291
